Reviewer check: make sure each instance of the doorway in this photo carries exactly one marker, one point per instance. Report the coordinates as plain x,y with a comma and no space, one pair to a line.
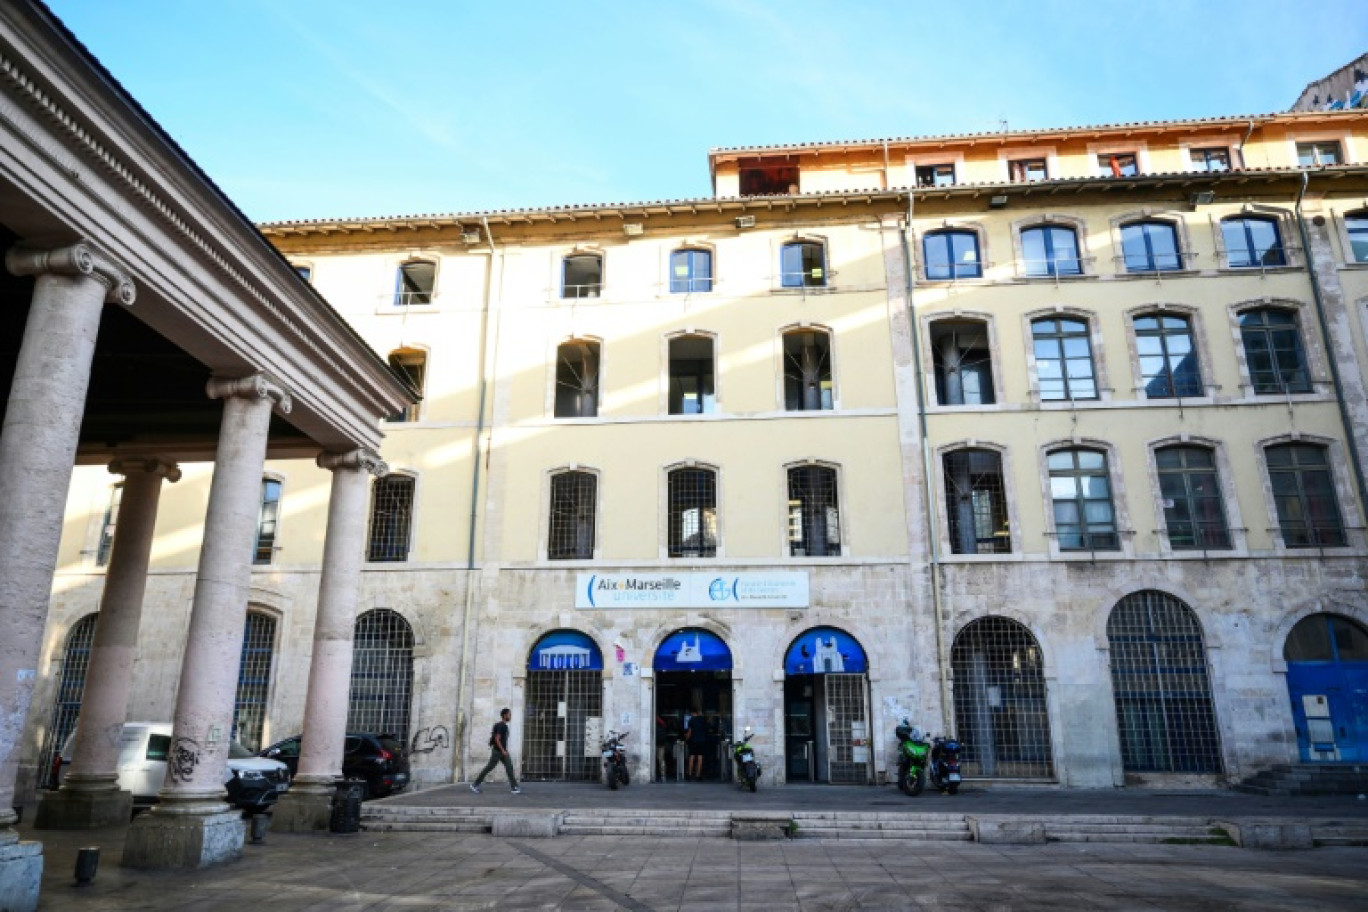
563,709
826,709
1327,681
692,671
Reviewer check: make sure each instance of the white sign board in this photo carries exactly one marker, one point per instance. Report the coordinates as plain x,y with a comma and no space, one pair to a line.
691,590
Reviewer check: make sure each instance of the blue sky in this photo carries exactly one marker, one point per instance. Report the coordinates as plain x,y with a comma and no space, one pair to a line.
305,109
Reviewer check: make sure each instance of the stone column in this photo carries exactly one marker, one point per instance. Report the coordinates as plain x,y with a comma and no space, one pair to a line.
90,795
37,451
192,826
307,805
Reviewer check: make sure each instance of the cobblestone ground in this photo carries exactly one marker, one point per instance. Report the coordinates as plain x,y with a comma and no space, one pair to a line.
409,871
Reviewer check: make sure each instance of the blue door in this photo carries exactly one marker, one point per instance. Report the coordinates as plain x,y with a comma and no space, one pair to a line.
1327,680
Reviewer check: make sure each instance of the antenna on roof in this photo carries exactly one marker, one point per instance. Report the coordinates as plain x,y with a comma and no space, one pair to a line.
1002,123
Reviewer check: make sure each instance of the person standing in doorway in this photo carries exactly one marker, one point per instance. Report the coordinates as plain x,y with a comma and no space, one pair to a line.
498,753
696,731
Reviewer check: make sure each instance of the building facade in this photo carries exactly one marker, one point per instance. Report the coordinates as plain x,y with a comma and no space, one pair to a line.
1048,438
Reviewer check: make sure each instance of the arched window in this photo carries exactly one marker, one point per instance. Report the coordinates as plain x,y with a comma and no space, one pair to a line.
1150,246
381,675
807,370
1063,358
691,270
391,518
802,264
963,361
574,506
1304,494
1001,710
1080,491
1163,693
1050,250
414,283
1168,357
692,390
1356,226
254,679
1273,351
1252,241
692,509
952,255
976,502
268,522
814,516
582,276
410,363
1194,510
71,684
577,379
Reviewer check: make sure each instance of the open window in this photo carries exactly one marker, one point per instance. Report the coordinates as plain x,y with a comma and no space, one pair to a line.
577,379
1025,170
802,264
963,362
807,371
415,282
691,375
976,502
1118,164
410,363
582,276
691,270
760,178
937,175
814,524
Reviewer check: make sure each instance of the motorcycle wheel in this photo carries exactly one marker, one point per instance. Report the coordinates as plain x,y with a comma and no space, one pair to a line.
902,778
751,776
953,788
915,782
612,779
622,774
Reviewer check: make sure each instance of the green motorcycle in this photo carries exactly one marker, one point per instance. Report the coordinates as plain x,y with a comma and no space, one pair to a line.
913,753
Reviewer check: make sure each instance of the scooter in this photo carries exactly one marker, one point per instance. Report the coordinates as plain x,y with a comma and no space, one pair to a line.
913,751
615,760
747,767
944,770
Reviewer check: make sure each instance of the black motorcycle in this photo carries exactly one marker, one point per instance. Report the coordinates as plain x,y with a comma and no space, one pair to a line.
615,760
944,768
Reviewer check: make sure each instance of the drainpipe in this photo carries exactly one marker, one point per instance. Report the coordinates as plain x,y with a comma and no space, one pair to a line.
885,174
1248,133
1329,345
942,665
458,760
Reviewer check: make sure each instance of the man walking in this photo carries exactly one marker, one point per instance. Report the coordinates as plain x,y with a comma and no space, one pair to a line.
498,753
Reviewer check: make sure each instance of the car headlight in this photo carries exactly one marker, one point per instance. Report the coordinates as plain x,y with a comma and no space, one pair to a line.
250,775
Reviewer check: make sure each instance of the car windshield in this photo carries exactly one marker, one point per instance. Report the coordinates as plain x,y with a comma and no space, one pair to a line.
237,752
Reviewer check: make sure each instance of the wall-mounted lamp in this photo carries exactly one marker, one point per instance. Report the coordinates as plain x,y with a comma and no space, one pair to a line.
997,202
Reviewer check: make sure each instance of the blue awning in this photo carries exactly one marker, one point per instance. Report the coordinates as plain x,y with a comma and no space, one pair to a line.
565,650
693,650
823,650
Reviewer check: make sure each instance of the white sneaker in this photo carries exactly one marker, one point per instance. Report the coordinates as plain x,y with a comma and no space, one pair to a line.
515,790
474,788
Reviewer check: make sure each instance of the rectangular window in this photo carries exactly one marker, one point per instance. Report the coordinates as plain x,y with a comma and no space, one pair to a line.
1273,352
935,175
1168,359
577,380
692,505
1081,492
111,521
976,503
1213,159
963,362
691,376
1024,170
690,271
1194,514
1063,356
1118,164
391,519
1315,154
1304,493
574,500
802,264
267,522
814,519
411,364
807,371
415,283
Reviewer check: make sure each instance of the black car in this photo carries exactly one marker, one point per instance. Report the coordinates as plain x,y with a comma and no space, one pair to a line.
378,760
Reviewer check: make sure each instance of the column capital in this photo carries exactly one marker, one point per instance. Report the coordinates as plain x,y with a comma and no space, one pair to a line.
360,458
254,386
81,258
152,465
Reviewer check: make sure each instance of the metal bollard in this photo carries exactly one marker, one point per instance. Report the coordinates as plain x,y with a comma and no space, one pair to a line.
260,824
87,860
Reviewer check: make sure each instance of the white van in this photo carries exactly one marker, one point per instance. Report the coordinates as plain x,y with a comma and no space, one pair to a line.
253,783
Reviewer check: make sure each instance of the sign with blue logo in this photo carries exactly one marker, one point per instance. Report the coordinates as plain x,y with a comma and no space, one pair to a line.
825,650
693,650
785,589
565,650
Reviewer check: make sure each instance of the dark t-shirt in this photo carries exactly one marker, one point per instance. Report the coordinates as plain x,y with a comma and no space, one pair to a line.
698,733
501,732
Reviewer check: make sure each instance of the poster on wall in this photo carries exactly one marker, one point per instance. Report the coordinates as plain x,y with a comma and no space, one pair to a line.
693,650
825,650
565,650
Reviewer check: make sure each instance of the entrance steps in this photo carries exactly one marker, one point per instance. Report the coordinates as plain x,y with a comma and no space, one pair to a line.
1308,779
625,822
400,818
856,825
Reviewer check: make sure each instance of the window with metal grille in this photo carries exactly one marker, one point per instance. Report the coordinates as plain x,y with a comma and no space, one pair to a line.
963,362
692,507
1159,678
111,521
71,682
802,264
268,522
1251,242
1168,358
976,503
1050,250
691,375
414,283
1150,247
577,379
574,505
1081,493
582,276
411,364
807,371
381,675
254,679
1063,357
690,271
1194,510
1273,351
1304,493
1001,712
556,706
814,524
391,520
951,255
